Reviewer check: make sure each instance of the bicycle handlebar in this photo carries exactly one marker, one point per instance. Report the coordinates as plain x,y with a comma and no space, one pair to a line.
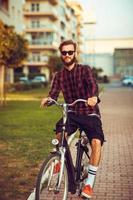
68,104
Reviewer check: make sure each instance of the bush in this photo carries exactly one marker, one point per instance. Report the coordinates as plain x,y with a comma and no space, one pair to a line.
21,86
9,87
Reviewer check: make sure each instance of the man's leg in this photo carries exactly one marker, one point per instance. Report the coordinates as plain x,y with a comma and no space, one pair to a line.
59,135
93,166
94,161
96,152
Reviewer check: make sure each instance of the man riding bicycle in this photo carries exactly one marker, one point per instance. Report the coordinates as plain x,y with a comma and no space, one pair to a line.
77,81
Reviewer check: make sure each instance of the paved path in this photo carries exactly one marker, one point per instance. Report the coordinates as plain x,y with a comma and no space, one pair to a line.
115,175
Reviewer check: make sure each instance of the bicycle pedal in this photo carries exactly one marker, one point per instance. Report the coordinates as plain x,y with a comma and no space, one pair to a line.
56,191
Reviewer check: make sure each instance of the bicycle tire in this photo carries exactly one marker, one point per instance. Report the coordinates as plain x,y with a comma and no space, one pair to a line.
47,181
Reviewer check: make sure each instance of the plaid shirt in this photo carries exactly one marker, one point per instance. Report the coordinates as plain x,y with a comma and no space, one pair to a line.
79,83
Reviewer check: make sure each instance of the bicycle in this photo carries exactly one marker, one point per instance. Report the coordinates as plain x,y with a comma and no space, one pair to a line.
58,174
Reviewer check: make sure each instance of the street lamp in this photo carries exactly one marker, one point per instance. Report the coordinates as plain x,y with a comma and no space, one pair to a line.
90,40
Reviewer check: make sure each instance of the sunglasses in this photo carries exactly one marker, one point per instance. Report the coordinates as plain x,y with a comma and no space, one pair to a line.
64,53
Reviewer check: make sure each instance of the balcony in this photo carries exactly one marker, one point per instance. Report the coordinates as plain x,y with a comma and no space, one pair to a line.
42,46
37,61
41,28
54,2
33,63
51,14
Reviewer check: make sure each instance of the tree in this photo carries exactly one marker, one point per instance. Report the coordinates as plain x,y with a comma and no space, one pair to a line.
55,64
97,72
13,50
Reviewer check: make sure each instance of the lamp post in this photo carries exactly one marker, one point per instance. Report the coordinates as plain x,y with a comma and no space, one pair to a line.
90,40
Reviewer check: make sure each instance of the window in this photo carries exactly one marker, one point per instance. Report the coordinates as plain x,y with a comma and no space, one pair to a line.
62,25
35,23
13,12
34,70
36,56
35,7
62,38
4,4
73,35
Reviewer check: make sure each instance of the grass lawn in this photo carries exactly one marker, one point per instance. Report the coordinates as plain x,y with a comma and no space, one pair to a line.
25,136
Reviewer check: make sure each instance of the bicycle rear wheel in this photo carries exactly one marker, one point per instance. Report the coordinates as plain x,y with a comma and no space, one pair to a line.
48,180
82,160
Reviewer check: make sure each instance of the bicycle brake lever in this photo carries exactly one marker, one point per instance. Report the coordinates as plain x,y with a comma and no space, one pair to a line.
50,103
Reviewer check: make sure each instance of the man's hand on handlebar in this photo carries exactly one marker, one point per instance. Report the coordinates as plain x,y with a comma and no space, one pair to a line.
45,101
92,101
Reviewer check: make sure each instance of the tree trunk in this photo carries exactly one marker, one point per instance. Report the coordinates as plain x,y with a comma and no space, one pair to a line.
2,86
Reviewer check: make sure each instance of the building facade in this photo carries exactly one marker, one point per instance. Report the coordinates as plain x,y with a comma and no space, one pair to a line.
44,23
47,23
11,14
101,53
123,61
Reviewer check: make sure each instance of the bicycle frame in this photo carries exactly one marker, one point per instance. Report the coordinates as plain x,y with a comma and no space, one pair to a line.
65,154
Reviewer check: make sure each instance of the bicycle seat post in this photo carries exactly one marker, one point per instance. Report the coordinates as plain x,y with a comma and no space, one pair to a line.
65,108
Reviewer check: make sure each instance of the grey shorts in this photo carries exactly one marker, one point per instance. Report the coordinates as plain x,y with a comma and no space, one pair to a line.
91,125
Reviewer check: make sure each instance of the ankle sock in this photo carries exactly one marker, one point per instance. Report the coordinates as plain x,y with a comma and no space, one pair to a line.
91,175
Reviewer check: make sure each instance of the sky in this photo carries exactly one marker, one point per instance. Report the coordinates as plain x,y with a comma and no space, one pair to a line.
114,18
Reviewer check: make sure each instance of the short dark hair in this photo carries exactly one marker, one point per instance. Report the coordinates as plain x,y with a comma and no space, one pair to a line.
67,42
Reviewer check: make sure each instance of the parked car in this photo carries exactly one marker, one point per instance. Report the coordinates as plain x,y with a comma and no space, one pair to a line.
40,79
23,83
24,79
127,81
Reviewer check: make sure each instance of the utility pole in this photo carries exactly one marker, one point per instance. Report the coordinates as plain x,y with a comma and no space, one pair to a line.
90,26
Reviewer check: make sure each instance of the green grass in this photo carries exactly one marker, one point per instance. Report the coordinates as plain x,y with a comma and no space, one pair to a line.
25,140
27,128
28,94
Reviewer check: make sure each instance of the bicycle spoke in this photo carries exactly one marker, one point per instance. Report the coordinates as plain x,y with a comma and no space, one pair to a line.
47,186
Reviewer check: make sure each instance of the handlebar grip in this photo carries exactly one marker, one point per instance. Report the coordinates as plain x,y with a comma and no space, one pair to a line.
50,103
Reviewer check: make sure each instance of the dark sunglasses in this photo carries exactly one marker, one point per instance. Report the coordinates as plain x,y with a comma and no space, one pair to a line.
64,53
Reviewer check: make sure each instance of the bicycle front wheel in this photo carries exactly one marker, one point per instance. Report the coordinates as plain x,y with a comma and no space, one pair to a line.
47,185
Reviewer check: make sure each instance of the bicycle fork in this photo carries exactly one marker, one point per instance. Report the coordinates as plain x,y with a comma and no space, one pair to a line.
62,161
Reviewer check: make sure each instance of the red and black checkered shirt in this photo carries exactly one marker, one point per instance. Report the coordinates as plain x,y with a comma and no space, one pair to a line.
79,83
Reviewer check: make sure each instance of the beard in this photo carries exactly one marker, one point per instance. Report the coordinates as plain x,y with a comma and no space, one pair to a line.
73,60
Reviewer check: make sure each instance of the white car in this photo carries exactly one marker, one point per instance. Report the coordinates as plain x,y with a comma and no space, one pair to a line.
39,79
128,81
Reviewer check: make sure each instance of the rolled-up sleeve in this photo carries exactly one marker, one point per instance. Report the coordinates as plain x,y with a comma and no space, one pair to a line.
55,87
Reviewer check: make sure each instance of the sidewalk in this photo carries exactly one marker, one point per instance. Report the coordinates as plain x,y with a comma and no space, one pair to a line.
115,175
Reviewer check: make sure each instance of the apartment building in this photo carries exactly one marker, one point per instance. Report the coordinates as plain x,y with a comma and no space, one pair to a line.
11,13
47,23
79,17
